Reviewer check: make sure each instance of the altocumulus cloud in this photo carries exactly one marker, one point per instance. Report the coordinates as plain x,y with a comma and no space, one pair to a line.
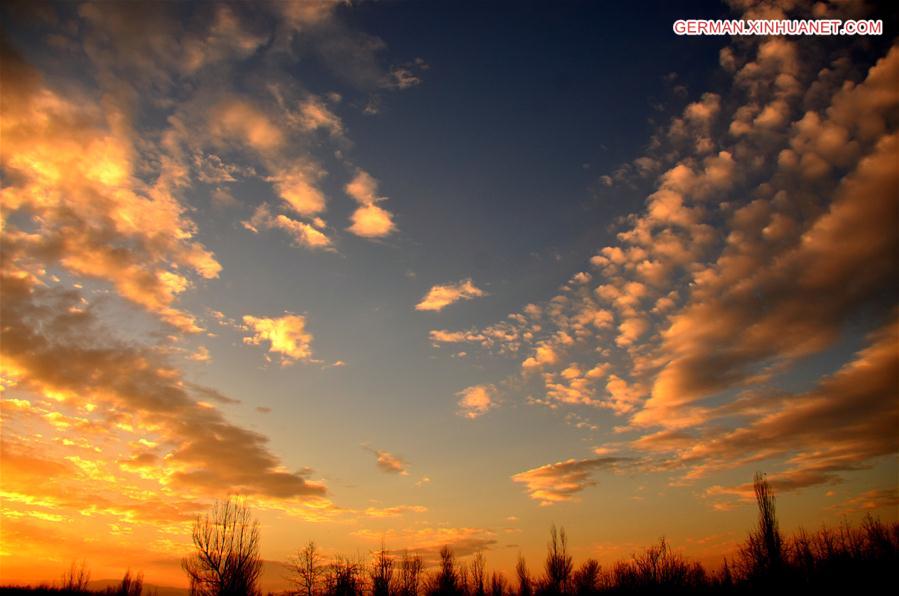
770,224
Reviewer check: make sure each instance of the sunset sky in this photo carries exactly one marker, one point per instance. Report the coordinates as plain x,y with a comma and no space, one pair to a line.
440,273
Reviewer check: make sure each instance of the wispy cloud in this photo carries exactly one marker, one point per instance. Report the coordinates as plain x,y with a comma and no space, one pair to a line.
309,235
390,463
441,296
562,481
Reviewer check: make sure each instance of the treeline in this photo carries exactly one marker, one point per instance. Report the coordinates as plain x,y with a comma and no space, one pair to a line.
860,559
846,560
76,581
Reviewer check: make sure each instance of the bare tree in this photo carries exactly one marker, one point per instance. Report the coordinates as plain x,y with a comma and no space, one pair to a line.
464,583
499,586
75,580
226,561
558,562
410,574
381,574
307,570
131,585
762,557
446,581
586,578
344,577
478,574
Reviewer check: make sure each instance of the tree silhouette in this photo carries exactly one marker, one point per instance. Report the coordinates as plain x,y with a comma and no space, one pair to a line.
344,578
762,557
478,574
75,580
586,578
525,582
446,581
410,574
558,563
131,585
382,573
226,561
307,570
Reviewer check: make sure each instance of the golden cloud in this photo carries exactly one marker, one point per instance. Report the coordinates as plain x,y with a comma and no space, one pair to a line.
562,481
286,335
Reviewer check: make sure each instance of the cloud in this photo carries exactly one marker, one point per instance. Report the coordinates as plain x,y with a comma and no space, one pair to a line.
286,336
369,219
845,247
562,481
303,234
67,357
98,215
445,336
314,114
296,186
390,463
403,78
240,119
871,500
201,354
395,511
840,425
769,236
544,355
441,296
73,168
427,541
476,400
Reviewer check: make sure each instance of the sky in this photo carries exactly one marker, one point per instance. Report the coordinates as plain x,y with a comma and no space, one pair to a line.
440,273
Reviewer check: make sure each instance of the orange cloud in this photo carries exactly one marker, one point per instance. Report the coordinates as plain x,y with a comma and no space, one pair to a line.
841,424
297,188
369,219
441,296
476,400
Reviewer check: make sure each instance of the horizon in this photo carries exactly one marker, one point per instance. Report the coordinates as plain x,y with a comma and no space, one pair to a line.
441,273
